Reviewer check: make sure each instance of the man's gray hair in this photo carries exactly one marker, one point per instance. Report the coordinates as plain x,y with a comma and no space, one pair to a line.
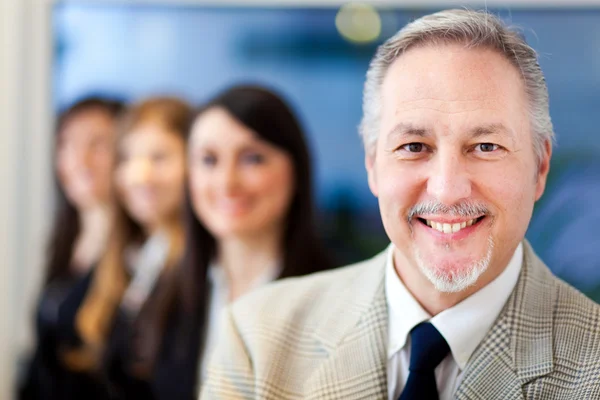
474,29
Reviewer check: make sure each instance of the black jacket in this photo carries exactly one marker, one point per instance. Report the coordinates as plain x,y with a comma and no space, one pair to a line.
176,369
47,378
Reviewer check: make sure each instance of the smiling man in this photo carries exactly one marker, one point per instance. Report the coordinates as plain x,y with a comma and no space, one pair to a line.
458,141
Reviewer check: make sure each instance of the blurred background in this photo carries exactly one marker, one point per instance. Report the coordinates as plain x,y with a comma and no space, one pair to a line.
314,53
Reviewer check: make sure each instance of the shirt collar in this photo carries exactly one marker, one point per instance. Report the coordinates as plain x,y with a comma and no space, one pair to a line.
463,325
404,312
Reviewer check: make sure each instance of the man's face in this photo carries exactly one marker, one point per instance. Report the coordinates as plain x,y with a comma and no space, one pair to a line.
454,167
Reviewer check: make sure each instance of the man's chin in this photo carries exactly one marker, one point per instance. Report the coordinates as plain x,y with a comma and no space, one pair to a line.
453,281
453,267
454,273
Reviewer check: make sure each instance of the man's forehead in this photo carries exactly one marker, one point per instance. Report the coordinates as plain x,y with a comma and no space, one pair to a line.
450,88
449,74
418,102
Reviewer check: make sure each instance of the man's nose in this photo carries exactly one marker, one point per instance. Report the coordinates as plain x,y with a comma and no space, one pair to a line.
449,181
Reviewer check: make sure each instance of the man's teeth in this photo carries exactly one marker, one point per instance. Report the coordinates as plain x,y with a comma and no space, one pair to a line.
450,228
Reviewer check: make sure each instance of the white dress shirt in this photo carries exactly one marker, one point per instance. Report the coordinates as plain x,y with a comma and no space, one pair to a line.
463,325
219,299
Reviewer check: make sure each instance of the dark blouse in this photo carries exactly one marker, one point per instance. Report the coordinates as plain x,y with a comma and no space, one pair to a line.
46,377
176,369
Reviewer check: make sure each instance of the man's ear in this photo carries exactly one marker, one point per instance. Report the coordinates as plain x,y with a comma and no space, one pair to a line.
543,169
371,172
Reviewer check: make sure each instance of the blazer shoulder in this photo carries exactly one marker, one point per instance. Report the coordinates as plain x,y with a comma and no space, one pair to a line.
576,330
576,312
574,316
308,300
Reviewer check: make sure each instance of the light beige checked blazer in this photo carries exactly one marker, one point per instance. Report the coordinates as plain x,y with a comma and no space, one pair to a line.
325,337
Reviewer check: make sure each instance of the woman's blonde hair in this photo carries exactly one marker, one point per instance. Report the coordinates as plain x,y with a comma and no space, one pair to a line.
95,316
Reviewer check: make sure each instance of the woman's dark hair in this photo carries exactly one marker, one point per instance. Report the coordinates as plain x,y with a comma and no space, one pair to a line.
274,122
66,225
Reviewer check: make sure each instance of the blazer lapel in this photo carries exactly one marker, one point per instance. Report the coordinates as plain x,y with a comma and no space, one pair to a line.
490,374
518,348
355,338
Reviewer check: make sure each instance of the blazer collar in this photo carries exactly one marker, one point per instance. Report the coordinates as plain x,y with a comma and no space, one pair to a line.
518,348
532,313
353,301
354,335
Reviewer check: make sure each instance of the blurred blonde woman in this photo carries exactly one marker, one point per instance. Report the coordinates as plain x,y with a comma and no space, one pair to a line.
113,322
83,160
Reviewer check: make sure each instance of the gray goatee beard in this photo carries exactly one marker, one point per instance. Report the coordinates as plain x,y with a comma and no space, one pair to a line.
454,281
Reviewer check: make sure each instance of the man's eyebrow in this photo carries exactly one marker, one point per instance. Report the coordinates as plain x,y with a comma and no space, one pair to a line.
406,129
492,129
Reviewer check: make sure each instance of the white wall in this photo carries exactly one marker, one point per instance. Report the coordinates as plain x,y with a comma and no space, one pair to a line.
25,183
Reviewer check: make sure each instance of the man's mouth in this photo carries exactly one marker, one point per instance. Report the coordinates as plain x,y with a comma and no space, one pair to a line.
453,227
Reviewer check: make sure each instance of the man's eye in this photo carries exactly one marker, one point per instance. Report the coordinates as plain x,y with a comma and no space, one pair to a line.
414,147
487,147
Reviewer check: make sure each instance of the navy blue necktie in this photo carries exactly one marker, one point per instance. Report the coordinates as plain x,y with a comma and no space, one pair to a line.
427,350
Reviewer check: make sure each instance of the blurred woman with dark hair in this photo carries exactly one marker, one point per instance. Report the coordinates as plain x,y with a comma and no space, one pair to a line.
83,162
250,218
113,321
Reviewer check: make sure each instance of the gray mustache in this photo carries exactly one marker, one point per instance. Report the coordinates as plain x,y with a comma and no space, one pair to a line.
464,209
